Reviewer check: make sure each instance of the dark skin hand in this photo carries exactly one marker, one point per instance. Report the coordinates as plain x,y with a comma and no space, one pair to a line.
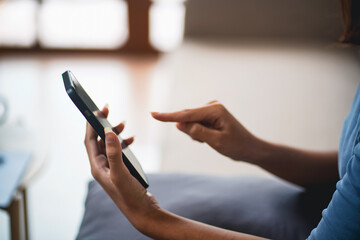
216,126
139,206
103,157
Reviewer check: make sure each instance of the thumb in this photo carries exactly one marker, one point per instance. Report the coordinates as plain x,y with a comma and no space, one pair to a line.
199,132
113,151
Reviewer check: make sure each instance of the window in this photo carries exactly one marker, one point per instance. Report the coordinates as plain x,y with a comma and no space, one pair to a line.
83,24
18,23
89,24
167,19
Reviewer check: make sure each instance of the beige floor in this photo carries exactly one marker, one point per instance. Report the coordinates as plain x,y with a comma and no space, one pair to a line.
296,95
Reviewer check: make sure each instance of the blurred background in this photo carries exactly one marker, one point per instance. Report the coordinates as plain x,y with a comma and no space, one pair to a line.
274,64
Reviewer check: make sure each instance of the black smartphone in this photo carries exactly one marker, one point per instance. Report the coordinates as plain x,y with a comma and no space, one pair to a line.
92,114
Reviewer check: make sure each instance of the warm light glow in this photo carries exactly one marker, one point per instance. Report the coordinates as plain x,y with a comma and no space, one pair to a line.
167,24
89,24
18,23
83,24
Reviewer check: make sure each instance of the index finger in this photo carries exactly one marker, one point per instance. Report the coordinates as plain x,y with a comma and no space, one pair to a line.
188,115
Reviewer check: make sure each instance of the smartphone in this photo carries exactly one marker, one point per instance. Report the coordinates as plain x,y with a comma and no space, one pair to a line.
93,115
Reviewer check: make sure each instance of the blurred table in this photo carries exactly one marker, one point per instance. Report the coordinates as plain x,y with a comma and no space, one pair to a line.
22,159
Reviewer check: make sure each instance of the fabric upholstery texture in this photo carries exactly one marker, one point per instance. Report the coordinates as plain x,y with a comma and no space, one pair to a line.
264,207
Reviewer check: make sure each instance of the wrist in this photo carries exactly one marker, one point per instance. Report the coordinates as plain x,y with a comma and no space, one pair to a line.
258,151
154,223
141,214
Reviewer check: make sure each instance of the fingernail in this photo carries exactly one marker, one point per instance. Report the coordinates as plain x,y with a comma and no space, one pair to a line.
152,113
109,137
123,122
106,106
107,130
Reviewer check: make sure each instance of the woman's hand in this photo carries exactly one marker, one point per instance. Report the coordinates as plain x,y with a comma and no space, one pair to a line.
139,207
109,170
216,126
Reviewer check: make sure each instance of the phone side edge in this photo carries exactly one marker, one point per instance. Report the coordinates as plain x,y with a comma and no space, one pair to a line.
134,172
81,106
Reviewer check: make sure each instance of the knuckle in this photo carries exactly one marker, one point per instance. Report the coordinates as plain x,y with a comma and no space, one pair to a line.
200,131
194,130
197,133
111,154
193,138
220,107
184,114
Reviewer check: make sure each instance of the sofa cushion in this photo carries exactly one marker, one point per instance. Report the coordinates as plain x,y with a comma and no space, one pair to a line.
261,206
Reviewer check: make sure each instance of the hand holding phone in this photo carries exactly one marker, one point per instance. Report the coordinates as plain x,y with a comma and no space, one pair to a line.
99,122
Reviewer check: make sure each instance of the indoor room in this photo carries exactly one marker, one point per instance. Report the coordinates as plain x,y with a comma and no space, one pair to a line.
279,72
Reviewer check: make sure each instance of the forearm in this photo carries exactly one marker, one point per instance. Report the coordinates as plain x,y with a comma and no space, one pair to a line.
159,224
298,166
165,225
